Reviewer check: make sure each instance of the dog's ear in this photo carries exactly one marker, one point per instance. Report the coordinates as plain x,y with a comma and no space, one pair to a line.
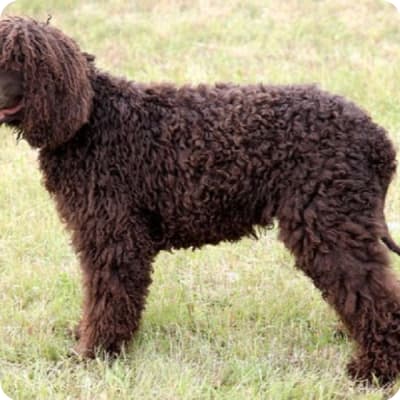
57,94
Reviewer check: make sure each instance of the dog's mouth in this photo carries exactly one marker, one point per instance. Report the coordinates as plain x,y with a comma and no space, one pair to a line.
11,93
9,113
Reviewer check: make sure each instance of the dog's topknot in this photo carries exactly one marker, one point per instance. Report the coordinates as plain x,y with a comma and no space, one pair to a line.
57,91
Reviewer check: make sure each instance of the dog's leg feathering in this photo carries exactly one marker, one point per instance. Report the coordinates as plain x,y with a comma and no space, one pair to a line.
117,274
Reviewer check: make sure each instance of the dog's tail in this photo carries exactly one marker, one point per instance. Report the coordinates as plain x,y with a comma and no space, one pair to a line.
389,242
383,162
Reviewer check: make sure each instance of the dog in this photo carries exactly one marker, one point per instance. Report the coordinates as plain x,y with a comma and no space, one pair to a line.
138,168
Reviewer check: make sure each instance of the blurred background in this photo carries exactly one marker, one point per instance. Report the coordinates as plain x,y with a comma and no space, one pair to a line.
226,322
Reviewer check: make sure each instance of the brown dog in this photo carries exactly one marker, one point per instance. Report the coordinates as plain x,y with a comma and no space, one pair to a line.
135,169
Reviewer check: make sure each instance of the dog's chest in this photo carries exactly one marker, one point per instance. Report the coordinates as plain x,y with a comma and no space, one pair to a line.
67,179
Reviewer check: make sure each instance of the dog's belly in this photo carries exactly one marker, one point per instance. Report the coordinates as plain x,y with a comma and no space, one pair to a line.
213,221
200,233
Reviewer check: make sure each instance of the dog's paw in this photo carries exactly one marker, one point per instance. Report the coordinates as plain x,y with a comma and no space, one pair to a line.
82,350
379,371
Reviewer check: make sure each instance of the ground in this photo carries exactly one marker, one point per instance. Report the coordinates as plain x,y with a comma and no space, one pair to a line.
227,322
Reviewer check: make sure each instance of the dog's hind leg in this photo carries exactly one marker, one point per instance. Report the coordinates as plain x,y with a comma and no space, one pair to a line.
117,274
335,238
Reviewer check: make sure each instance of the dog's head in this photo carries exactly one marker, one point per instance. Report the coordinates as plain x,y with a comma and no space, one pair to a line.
45,90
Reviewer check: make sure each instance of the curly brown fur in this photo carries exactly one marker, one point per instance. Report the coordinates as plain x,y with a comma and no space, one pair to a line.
135,169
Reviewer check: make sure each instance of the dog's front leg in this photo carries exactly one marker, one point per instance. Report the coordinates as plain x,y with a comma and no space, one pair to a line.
117,275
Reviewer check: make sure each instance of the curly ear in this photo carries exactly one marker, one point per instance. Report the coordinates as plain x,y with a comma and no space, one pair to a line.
57,91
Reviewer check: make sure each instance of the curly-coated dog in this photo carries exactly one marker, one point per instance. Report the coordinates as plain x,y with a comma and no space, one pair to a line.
135,169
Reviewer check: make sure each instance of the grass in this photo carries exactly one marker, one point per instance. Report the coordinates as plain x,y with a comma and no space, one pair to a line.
227,322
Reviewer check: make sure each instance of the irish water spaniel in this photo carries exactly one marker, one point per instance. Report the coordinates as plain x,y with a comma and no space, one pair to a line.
138,168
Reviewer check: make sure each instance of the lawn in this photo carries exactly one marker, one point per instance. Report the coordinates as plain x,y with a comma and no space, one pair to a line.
234,321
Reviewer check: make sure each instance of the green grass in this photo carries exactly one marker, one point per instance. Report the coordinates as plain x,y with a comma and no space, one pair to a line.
227,322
